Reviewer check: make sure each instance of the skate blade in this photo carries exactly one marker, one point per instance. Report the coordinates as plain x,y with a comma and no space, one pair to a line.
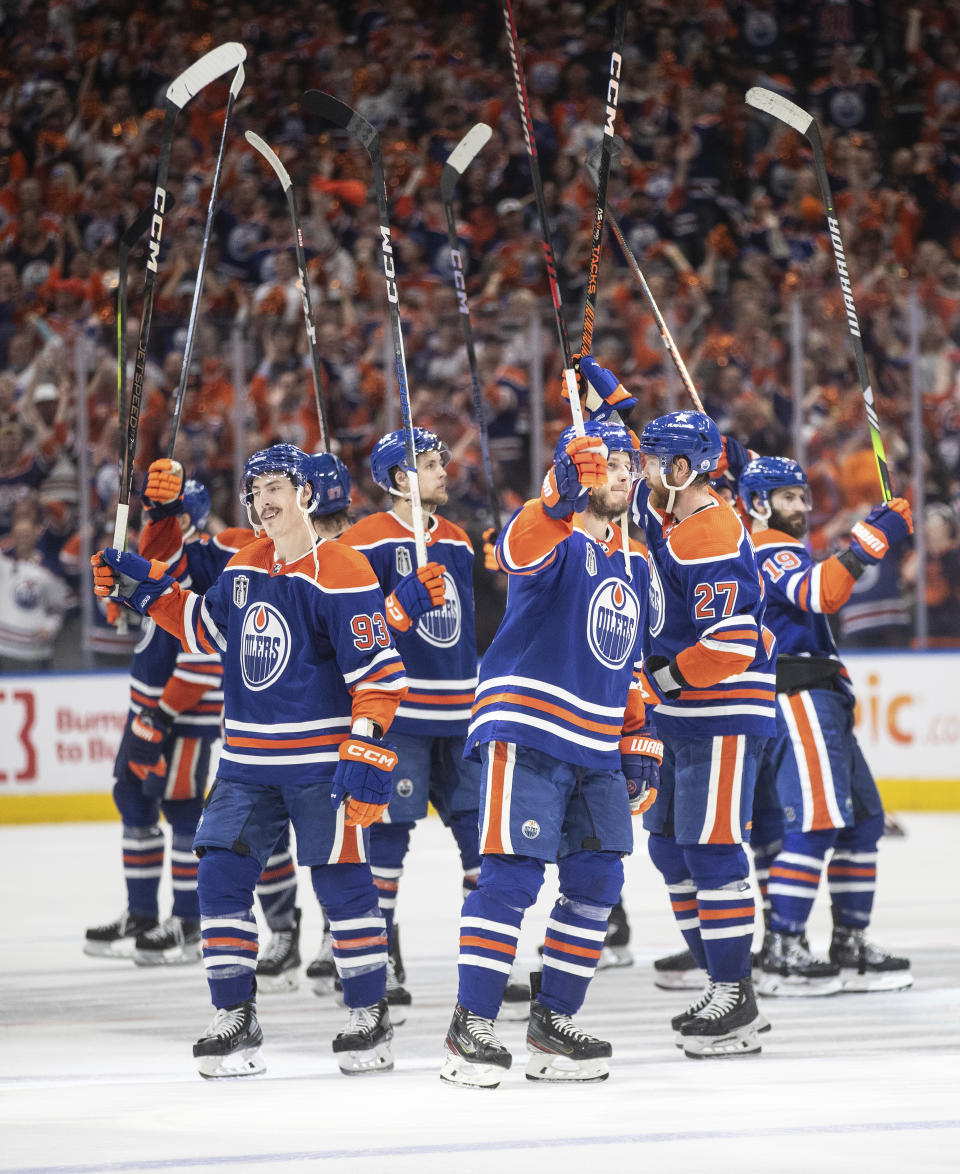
177,957
680,980
549,1067
854,983
278,984
375,1059
244,1062
614,957
761,1025
398,1012
743,1042
122,949
466,1074
792,987
323,987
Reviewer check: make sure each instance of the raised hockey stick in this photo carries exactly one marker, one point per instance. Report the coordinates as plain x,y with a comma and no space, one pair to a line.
332,110
786,111
606,149
193,79
135,230
287,184
457,162
526,119
593,400
181,393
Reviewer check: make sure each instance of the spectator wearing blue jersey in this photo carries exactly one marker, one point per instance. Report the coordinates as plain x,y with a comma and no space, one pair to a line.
815,792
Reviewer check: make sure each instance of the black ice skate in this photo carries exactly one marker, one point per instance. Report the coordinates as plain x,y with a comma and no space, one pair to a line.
322,971
279,964
231,1045
789,969
398,968
761,1025
727,1026
473,1056
866,967
174,943
399,998
616,945
364,1044
560,1051
678,972
117,939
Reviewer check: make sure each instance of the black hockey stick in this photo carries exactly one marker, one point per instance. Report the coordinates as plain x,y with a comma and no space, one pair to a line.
457,162
181,393
526,120
128,239
341,115
193,79
596,243
287,184
786,111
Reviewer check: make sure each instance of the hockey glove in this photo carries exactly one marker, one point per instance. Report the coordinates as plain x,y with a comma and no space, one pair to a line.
139,582
640,757
883,527
665,675
582,467
146,749
163,489
363,777
420,591
489,550
614,395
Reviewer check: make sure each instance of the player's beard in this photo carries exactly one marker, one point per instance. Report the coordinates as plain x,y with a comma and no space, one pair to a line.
601,505
658,496
793,524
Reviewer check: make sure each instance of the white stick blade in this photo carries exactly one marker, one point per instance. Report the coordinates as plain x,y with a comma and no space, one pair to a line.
270,155
210,66
772,103
238,79
466,150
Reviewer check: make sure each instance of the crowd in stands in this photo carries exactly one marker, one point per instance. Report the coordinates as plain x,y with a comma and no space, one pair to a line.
719,203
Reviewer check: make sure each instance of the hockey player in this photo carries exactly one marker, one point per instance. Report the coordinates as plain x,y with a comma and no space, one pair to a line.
554,758
431,612
164,758
710,662
815,790
304,718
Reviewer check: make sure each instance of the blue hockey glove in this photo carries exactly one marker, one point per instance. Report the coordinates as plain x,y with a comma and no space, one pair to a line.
139,582
640,757
420,591
146,749
665,675
581,467
883,527
363,777
615,396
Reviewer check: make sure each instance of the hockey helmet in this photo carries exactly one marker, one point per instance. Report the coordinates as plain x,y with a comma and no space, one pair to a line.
278,458
687,434
330,478
196,503
390,452
764,474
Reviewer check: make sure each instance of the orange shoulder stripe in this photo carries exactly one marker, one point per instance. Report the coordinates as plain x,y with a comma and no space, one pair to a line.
711,533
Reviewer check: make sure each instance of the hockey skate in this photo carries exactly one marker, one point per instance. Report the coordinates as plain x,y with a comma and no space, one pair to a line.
616,949
279,964
789,970
176,942
398,997
866,967
727,1026
473,1056
117,939
364,1044
560,1051
761,1024
322,971
398,967
231,1045
678,972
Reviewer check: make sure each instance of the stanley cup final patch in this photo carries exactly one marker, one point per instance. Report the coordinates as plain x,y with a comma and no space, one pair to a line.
241,585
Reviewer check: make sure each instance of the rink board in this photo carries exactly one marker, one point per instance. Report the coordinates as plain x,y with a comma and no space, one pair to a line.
61,732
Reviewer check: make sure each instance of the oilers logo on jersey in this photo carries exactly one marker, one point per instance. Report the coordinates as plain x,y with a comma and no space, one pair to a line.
441,626
146,631
612,620
241,586
265,640
656,604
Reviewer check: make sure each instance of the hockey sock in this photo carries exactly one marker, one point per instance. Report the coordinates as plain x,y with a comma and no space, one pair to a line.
852,873
142,868
667,856
183,874
466,832
277,891
388,848
225,884
358,930
725,907
763,856
795,877
571,951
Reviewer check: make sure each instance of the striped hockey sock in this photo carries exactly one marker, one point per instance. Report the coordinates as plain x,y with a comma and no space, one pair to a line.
726,926
571,951
852,877
360,953
142,868
183,876
489,931
230,946
683,902
795,877
387,882
277,890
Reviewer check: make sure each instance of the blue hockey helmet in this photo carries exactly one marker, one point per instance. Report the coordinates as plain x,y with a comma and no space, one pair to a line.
614,436
278,458
330,478
196,503
687,434
390,452
764,474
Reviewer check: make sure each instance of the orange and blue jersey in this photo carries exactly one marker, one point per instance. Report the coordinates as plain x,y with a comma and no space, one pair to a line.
561,674
707,613
439,649
306,650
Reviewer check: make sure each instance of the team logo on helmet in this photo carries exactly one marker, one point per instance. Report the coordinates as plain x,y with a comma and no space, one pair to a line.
241,587
441,626
265,646
531,829
612,620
